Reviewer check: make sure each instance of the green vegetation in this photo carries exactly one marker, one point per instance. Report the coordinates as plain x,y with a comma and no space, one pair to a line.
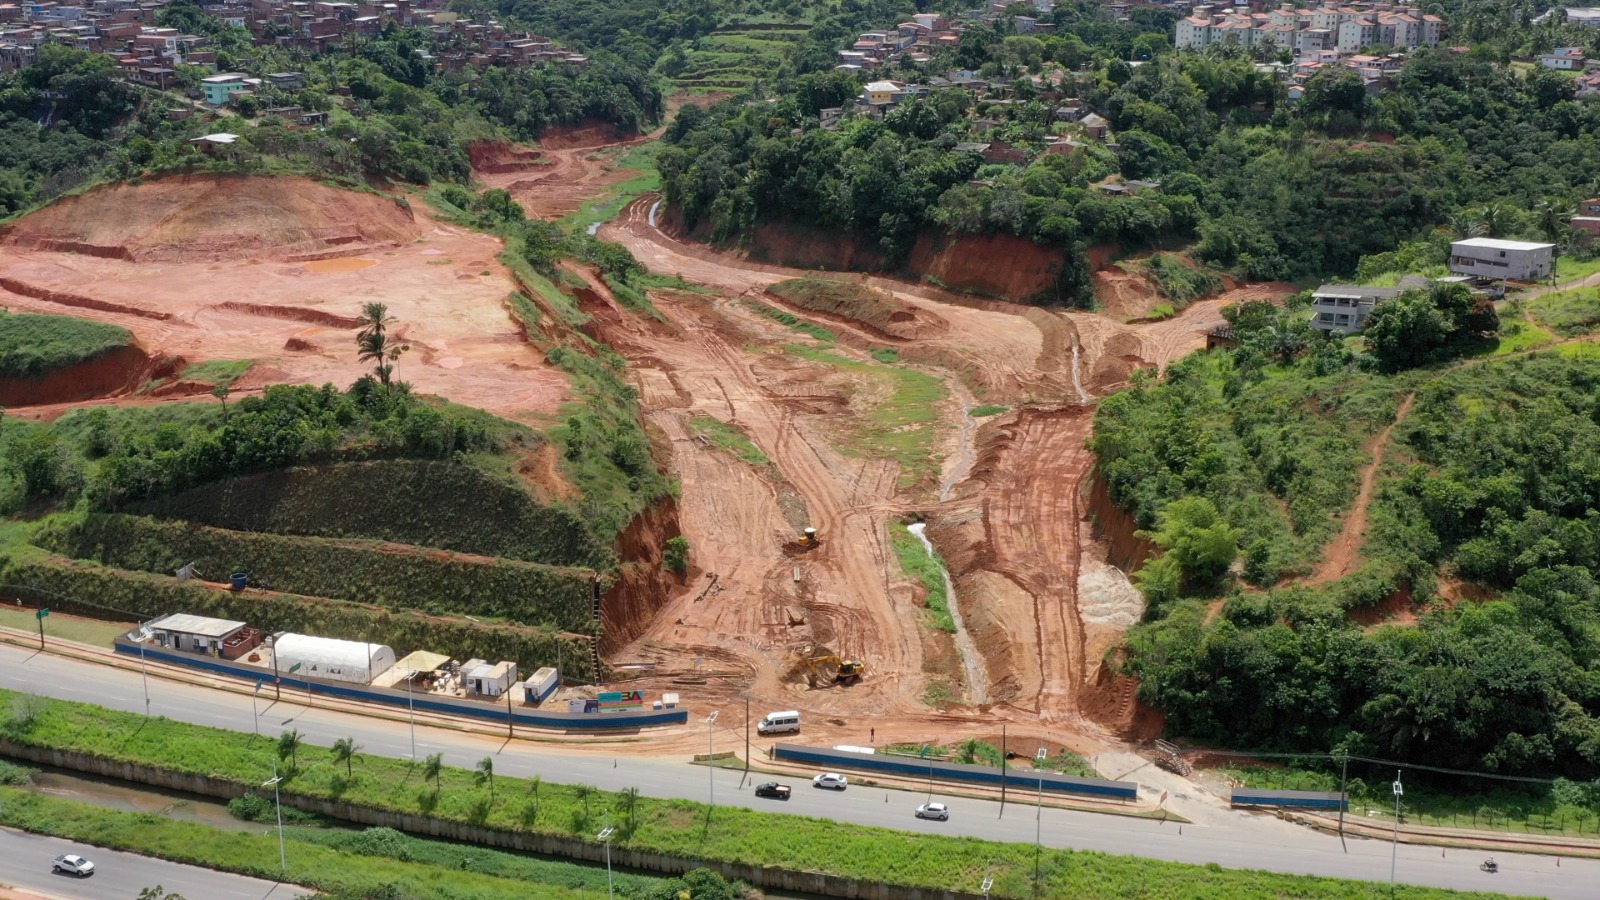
32,345
147,596
1486,482
791,320
1564,808
216,371
399,578
926,568
728,438
1180,283
1519,336
877,309
1419,327
900,426
886,355
675,555
1572,268
1568,313
448,505
987,409
642,160
72,628
663,826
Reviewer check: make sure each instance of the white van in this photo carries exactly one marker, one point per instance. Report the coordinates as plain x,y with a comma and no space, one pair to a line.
779,722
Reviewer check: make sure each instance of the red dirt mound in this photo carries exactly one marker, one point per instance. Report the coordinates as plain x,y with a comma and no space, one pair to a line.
196,217
588,133
296,313
499,157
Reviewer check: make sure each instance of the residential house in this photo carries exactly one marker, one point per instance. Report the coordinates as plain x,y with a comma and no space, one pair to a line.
285,81
1588,227
1502,259
1564,58
1589,207
1586,86
999,151
1095,126
1344,308
1584,15
218,89
200,634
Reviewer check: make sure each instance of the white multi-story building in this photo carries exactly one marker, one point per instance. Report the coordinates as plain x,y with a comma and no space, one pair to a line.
1499,259
1349,28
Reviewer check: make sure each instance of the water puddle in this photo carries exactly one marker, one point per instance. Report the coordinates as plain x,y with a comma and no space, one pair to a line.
594,228
653,207
342,264
977,687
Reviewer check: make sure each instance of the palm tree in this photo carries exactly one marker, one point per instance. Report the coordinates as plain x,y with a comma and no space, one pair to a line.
432,766
485,774
289,747
583,792
1289,335
630,804
344,751
1553,220
1494,218
373,343
1466,224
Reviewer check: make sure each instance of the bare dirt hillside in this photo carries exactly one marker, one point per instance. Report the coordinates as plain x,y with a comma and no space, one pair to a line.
273,300
197,217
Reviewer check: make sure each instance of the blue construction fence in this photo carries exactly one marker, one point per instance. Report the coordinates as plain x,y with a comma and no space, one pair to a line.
828,758
1289,799
496,712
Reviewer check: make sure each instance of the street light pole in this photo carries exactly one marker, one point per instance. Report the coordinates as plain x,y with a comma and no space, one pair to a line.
283,859
711,763
411,710
1038,834
1394,853
143,672
605,835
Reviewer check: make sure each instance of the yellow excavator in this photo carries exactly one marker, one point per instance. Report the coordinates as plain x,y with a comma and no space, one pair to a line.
829,667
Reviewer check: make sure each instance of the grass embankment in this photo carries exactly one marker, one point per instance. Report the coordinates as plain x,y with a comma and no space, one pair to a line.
729,439
857,302
926,568
1570,268
345,868
33,344
792,320
1565,808
1567,313
641,160
898,421
979,412
216,371
667,826
396,577
1180,283
734,55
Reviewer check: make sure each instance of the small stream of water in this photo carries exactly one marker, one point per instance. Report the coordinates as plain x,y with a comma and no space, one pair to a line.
653,207
964,464
1077,381
977,686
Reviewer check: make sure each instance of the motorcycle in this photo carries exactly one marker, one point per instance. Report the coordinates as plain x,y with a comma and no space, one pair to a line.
1490,866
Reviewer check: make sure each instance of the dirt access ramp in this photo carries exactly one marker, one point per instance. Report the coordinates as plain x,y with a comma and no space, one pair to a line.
294,317
570,167
200,217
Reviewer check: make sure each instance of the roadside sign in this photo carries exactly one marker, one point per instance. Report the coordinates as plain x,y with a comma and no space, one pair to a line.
259,683
42,613
295,668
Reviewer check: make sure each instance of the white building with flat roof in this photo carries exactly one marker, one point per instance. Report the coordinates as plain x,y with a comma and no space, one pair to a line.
1502,259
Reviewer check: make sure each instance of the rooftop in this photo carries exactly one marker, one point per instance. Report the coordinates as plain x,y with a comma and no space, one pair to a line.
1498,244
205,626
1354,292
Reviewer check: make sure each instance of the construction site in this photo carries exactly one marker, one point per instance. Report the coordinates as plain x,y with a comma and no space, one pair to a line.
814,448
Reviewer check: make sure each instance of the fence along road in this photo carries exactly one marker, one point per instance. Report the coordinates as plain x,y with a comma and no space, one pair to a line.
1246,841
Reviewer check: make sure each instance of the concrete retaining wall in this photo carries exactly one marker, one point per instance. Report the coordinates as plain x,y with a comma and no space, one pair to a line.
551,845
958,772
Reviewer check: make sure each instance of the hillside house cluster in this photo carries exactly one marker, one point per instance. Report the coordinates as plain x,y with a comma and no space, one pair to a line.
1346,29
914,40
126,30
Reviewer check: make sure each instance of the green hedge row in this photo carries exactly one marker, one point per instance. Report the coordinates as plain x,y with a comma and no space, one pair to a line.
453,506
153,595
394,577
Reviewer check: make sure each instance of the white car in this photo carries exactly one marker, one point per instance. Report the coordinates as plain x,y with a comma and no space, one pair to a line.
934,811
73,865
832,780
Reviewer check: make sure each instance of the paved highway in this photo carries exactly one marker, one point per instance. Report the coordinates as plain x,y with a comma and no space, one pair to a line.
1231,839
25,864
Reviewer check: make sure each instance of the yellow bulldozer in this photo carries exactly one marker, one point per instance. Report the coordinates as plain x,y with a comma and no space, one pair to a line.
828,668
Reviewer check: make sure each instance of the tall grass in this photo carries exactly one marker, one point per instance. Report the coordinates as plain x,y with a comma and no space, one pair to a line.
927,569
32,344
901,426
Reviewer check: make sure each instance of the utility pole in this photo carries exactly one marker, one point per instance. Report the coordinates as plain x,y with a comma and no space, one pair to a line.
747,736
1002,768
1344,781
711,763
1038,834
510,722
411,710
1394,853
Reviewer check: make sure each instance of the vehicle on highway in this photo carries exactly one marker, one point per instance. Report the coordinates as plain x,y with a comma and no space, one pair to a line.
779,722
73,864
1490,866
831,780
934,811
774,790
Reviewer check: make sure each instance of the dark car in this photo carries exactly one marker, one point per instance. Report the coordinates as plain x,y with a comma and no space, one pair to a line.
774,790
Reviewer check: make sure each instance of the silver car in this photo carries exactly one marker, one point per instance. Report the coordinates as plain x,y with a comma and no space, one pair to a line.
831,780
934,811
73,864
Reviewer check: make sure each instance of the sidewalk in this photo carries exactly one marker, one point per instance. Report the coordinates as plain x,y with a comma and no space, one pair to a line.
1428,835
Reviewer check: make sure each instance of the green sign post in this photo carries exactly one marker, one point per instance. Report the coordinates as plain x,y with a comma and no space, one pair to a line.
40,616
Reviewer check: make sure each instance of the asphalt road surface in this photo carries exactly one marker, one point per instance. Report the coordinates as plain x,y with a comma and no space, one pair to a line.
1231,839
25,865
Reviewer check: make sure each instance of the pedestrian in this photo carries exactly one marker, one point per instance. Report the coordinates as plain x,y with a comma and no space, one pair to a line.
874,735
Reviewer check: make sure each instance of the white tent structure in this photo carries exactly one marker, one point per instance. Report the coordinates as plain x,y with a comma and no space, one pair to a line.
330,658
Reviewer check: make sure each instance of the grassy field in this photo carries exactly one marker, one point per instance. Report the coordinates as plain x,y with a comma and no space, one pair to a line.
917,564
729,439
734,55
32,344
217,371
642,161
1569,268
666,826
791,320
979,412
1518,335
1535,809
900,426
72,628
1568,313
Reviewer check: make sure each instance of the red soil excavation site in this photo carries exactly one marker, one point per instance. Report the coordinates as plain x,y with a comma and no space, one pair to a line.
275,270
